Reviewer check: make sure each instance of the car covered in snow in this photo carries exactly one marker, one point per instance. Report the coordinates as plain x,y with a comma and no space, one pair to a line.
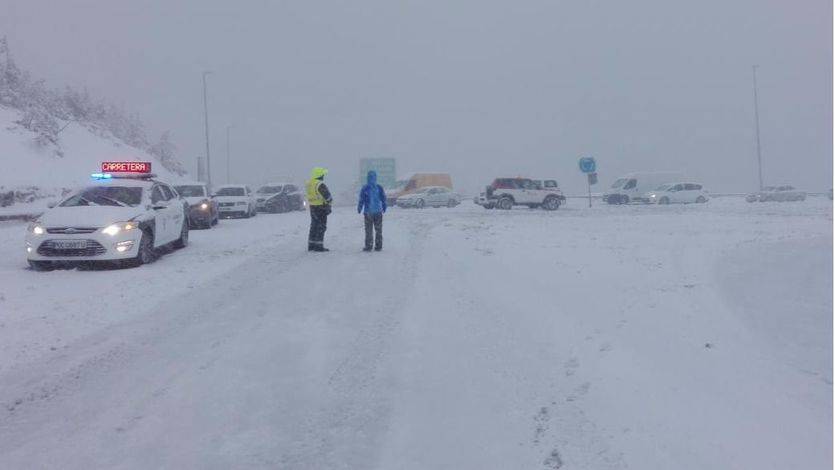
280,197
677,193
235,200
782,193
430,196
504,193
124,220
203,210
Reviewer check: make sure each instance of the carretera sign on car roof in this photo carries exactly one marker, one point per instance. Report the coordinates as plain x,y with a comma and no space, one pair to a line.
125,167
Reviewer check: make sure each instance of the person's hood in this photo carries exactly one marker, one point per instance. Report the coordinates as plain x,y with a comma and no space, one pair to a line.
88,216
318,173
372,177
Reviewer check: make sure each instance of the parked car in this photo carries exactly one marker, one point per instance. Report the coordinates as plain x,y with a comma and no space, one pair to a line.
633,187
417,182
203,211
280,197
123,220
432,196
504,193
235,200
782,193
677,193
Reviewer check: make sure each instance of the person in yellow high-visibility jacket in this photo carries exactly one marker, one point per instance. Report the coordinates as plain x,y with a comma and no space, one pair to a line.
319,199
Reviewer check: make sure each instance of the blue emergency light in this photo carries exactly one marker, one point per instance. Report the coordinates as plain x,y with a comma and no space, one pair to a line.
101,176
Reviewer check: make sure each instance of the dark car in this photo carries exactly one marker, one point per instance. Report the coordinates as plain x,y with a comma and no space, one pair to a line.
203,212
280,197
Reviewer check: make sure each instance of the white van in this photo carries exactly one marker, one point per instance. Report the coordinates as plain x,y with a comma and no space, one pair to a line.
634,186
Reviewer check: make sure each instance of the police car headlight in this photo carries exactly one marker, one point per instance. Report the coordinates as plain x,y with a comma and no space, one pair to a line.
204,206
118,227
36,228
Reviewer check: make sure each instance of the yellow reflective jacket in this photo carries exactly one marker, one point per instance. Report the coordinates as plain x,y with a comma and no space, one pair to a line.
314,197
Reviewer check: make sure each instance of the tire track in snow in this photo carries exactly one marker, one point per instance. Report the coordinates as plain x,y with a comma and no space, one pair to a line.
343,433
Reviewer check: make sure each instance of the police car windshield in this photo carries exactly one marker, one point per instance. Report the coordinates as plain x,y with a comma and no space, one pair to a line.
230,192
269,190
106,196
195,190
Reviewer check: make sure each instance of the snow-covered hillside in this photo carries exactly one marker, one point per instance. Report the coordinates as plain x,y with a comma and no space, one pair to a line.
83,147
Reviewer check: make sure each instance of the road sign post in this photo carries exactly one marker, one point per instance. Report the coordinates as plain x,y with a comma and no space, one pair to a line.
589,167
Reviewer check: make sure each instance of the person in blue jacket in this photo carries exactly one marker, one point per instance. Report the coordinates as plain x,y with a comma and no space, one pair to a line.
372,203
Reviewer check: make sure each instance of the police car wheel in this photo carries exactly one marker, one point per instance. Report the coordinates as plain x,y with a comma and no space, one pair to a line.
145,253
41,265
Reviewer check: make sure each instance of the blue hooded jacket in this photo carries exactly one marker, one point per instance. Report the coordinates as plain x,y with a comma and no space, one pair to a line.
372,198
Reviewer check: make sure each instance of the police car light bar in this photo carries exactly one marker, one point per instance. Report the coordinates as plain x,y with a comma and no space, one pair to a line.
126,167
101,176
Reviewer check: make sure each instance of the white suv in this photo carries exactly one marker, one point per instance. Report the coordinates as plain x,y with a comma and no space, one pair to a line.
235,200
677,193
120,219
504,193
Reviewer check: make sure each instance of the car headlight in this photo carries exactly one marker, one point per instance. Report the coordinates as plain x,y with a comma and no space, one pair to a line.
653,196
36,228
204,206
114,229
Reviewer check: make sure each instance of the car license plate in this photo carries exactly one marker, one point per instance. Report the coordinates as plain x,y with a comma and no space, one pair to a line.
69,244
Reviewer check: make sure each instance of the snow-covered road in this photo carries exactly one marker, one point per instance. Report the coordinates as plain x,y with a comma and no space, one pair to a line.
617,337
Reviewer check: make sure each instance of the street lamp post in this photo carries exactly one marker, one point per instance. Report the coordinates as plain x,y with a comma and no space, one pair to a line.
757,126
206,121
228,172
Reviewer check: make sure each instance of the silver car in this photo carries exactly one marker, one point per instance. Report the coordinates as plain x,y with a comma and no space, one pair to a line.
430,196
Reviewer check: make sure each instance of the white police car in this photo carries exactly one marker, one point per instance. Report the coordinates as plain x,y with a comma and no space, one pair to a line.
116,218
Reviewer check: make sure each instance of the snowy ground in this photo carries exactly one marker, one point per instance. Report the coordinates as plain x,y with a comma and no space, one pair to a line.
617,337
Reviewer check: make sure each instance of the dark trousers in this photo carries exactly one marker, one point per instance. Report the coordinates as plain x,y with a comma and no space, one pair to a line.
318,225
374,225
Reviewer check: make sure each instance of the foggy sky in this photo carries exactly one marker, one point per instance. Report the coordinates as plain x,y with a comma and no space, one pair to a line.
476,88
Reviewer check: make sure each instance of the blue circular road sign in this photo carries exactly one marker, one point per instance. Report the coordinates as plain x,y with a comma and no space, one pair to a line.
588,165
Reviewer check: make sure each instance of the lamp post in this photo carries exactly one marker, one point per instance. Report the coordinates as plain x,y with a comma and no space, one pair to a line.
228,172
206,122
757,126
